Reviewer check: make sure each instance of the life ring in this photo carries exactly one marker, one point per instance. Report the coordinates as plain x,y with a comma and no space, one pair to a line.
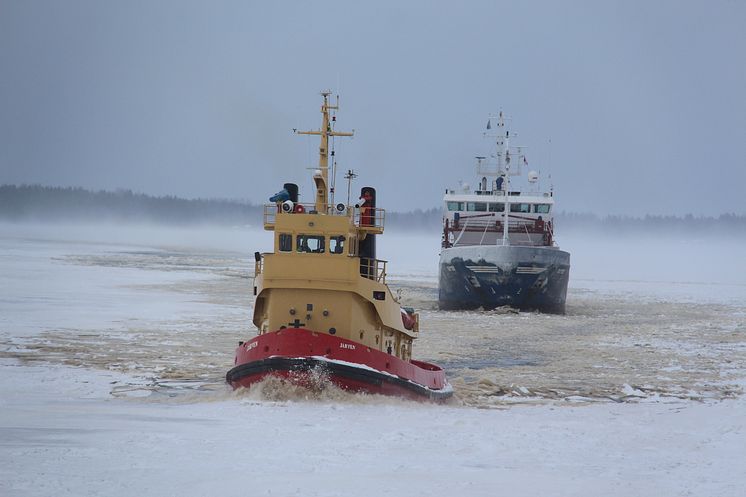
299,209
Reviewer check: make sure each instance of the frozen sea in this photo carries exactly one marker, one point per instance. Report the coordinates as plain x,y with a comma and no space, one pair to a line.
114,342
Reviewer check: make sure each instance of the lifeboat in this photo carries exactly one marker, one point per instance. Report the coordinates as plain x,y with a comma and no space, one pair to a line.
323,309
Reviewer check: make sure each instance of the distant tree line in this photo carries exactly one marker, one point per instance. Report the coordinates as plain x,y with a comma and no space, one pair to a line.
418,220
687,224
50,204
45,203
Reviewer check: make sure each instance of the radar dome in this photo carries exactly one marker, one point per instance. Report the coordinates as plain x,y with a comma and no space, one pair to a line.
533,176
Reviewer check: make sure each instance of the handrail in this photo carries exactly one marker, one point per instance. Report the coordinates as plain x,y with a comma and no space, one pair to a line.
369,217
362,217
473,224
272,210
476,224
373,269
501,193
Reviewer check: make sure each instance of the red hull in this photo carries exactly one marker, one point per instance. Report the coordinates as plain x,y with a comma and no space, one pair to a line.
290,353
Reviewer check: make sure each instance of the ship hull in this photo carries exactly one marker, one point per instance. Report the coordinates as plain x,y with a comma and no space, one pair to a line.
302,356
490,276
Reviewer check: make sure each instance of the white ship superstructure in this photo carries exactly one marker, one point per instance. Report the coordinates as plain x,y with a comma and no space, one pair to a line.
498,239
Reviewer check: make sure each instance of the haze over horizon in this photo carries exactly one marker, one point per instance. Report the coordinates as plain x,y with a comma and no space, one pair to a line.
644,104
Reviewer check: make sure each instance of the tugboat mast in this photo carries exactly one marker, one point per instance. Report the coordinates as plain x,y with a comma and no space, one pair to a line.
321,178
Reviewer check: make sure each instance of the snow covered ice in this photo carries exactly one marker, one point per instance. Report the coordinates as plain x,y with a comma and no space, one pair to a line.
114,348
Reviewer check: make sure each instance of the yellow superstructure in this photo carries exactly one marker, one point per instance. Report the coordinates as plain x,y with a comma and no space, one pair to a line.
318,279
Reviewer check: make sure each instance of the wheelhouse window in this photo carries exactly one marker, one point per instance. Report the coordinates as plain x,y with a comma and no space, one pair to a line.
520,208
285,242
337,244
497,207
312,244
541,208
476,206
455,206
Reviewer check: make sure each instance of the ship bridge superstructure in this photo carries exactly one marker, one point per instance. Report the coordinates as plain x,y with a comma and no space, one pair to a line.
323,273
495,212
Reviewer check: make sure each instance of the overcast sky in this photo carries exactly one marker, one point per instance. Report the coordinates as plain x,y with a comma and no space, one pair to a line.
633,107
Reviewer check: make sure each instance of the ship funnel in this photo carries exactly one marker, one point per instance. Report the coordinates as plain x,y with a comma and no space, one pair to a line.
367,207
292,190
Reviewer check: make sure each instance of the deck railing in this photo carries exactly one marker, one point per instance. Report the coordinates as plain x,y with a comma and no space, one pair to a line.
492,224
373,269
272,210
477,224
372,218
369,219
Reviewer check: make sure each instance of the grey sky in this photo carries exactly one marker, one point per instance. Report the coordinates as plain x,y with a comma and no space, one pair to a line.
644,102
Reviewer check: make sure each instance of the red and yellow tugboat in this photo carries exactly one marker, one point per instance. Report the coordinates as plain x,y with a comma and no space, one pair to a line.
322,303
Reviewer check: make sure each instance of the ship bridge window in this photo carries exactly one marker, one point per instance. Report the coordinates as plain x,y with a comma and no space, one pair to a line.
312,244
497,207
520,208
336,244
455,206
285,242
476,206
541,208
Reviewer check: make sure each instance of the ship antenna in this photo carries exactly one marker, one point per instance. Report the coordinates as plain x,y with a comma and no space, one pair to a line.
349,177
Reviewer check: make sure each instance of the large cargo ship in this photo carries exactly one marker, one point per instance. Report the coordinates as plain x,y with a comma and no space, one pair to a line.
323,309
498,245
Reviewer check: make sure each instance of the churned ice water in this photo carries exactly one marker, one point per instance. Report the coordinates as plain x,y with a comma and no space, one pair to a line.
170,317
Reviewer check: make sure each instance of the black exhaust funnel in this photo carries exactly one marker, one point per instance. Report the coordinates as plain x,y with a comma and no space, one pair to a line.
367,247
292,189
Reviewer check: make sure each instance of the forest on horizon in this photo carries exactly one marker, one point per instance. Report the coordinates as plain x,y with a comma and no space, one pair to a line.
37,203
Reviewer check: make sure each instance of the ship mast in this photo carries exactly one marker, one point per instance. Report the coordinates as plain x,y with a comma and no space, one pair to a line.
503,150
322,179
